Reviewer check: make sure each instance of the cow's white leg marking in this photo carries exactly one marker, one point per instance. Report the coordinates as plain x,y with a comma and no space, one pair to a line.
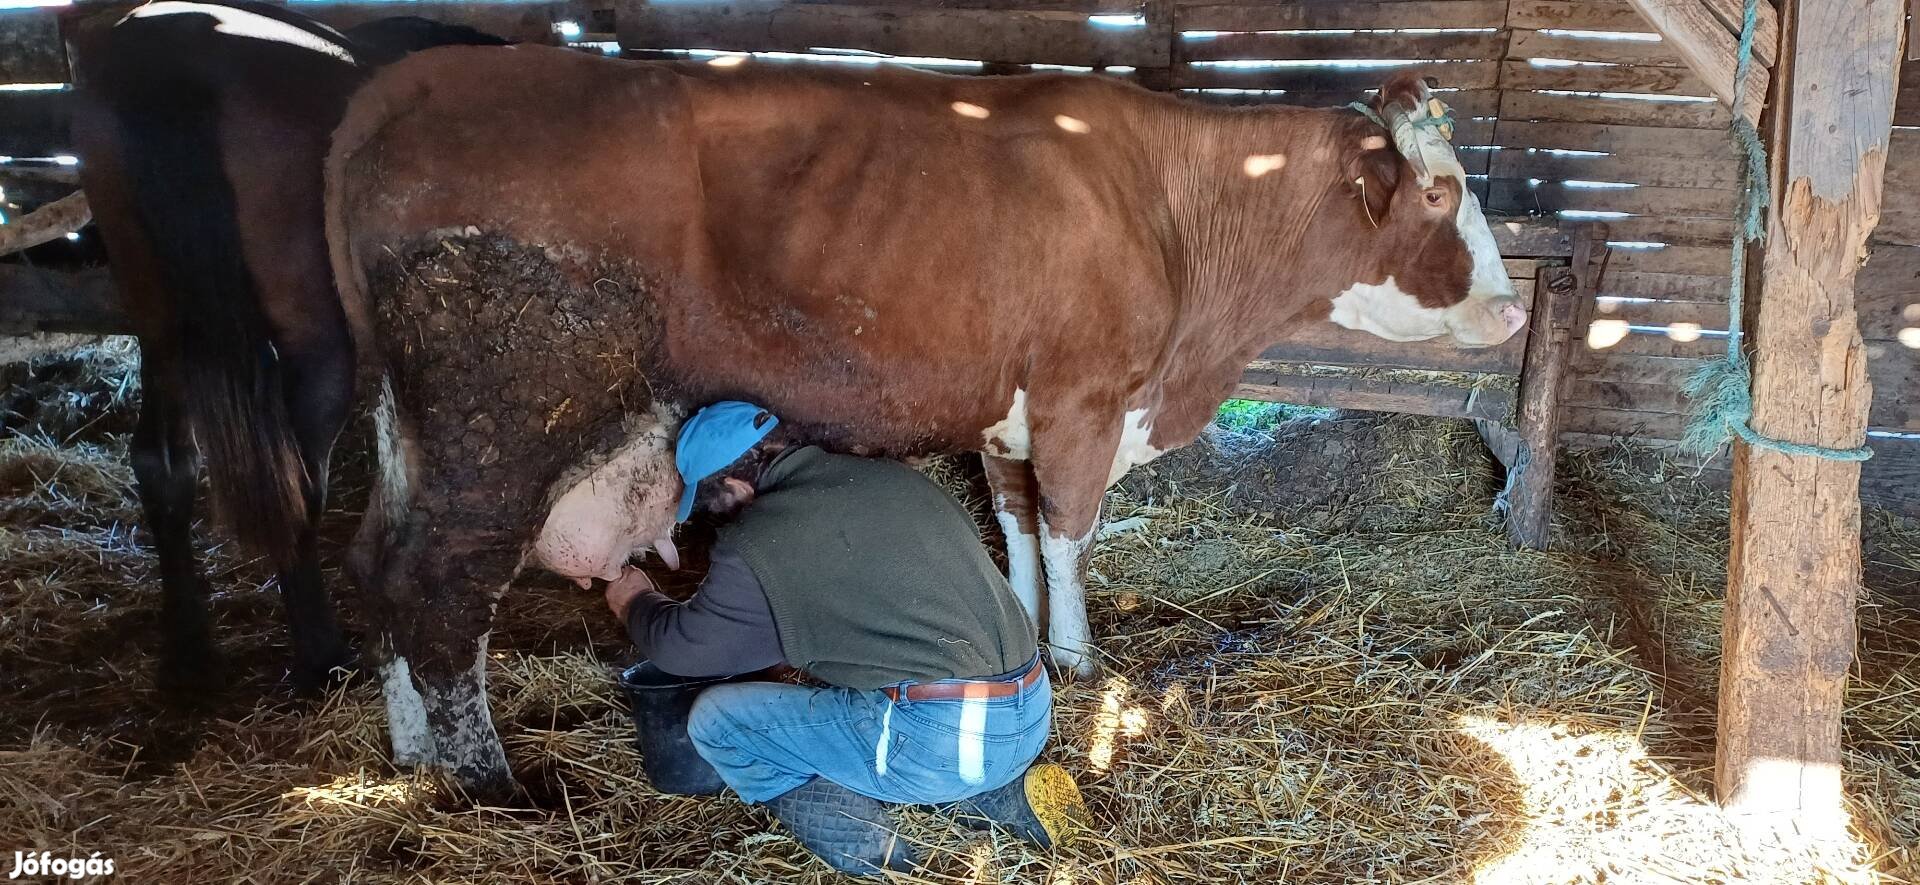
391,450
253,25
465,742
1023,560
1011,438
1134,450
406,715
1068,636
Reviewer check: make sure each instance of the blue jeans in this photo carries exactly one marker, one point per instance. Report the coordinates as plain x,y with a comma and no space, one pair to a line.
766,738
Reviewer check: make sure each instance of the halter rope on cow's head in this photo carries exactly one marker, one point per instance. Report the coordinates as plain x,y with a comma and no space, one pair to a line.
1443,276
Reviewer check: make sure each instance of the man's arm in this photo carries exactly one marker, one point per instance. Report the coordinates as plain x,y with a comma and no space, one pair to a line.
725,629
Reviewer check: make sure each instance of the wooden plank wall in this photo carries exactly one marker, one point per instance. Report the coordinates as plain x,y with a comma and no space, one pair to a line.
1565,107
1576,108
34,107
1600,118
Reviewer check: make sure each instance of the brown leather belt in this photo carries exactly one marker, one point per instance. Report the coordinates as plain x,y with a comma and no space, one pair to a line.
968,690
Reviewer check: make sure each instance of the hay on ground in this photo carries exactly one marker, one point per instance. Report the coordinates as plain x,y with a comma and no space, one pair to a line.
1308,676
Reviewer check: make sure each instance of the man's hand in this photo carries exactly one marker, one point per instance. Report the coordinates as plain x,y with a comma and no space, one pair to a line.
620,593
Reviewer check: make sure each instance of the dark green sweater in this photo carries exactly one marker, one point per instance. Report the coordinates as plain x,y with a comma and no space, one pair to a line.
876,575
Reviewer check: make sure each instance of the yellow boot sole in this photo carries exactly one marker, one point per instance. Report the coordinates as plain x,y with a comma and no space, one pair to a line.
1055,800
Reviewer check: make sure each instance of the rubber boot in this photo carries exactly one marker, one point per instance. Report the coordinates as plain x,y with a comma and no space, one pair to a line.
1042,806
851,832
661,703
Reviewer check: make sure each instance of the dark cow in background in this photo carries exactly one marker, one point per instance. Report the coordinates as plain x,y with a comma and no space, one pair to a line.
1066,274
202,128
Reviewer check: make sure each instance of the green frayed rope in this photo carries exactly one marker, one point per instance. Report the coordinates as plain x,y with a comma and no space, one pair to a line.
1721,392
1366,110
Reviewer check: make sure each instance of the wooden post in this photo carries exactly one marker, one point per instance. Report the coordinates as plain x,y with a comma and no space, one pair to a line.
1794,572
1561,297
1530,485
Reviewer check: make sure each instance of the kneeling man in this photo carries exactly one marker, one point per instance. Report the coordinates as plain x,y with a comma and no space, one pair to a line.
870,578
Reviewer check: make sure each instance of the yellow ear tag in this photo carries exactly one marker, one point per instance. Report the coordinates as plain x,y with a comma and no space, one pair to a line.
1437,109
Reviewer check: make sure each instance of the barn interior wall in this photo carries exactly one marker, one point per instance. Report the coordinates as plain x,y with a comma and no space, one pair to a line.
1567,108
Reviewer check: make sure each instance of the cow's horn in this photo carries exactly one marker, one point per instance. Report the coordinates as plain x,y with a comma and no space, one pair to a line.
1399,122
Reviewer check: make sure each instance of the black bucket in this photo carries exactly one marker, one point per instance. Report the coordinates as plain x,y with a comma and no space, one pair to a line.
661,703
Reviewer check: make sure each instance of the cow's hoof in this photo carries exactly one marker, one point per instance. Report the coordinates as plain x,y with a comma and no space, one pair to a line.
192,676
315,674
487,785
1071,663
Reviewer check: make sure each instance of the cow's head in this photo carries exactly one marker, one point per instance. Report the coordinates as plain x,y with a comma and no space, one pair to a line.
1437,272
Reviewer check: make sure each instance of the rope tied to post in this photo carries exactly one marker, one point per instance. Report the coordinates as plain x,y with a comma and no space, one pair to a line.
1722,391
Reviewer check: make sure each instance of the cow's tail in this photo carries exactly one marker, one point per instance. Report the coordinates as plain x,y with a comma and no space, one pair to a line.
370,111
232,374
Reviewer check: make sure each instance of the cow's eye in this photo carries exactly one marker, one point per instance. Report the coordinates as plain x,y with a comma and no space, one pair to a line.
1436,197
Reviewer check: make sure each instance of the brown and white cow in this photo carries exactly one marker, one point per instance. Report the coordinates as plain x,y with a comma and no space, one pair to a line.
1065,274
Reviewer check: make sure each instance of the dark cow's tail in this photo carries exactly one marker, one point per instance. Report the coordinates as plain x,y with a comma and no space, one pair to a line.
164,81
232,375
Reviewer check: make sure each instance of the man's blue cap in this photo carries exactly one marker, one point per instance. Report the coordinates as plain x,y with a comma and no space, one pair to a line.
715,437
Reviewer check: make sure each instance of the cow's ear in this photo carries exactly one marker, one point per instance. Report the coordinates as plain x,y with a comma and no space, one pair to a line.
1372,175
1408,90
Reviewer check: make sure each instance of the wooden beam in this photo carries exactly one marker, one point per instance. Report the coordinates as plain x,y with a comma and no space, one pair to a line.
1528,237
11,173
1529,494
1766,39
36,300
1013,36
1344,14
37,123
1323,343
1794,573
46,224
1706,47
1343,392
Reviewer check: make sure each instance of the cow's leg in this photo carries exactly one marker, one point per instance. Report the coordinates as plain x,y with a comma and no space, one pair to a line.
465,743
274,167
430,571
1070,471
1015,507
380,540
366,564
166,468
1069,637
319,393
433,616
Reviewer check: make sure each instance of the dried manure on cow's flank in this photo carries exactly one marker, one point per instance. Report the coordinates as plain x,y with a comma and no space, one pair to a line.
510,361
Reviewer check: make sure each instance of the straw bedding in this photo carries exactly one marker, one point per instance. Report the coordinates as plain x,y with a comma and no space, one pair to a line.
1322,664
